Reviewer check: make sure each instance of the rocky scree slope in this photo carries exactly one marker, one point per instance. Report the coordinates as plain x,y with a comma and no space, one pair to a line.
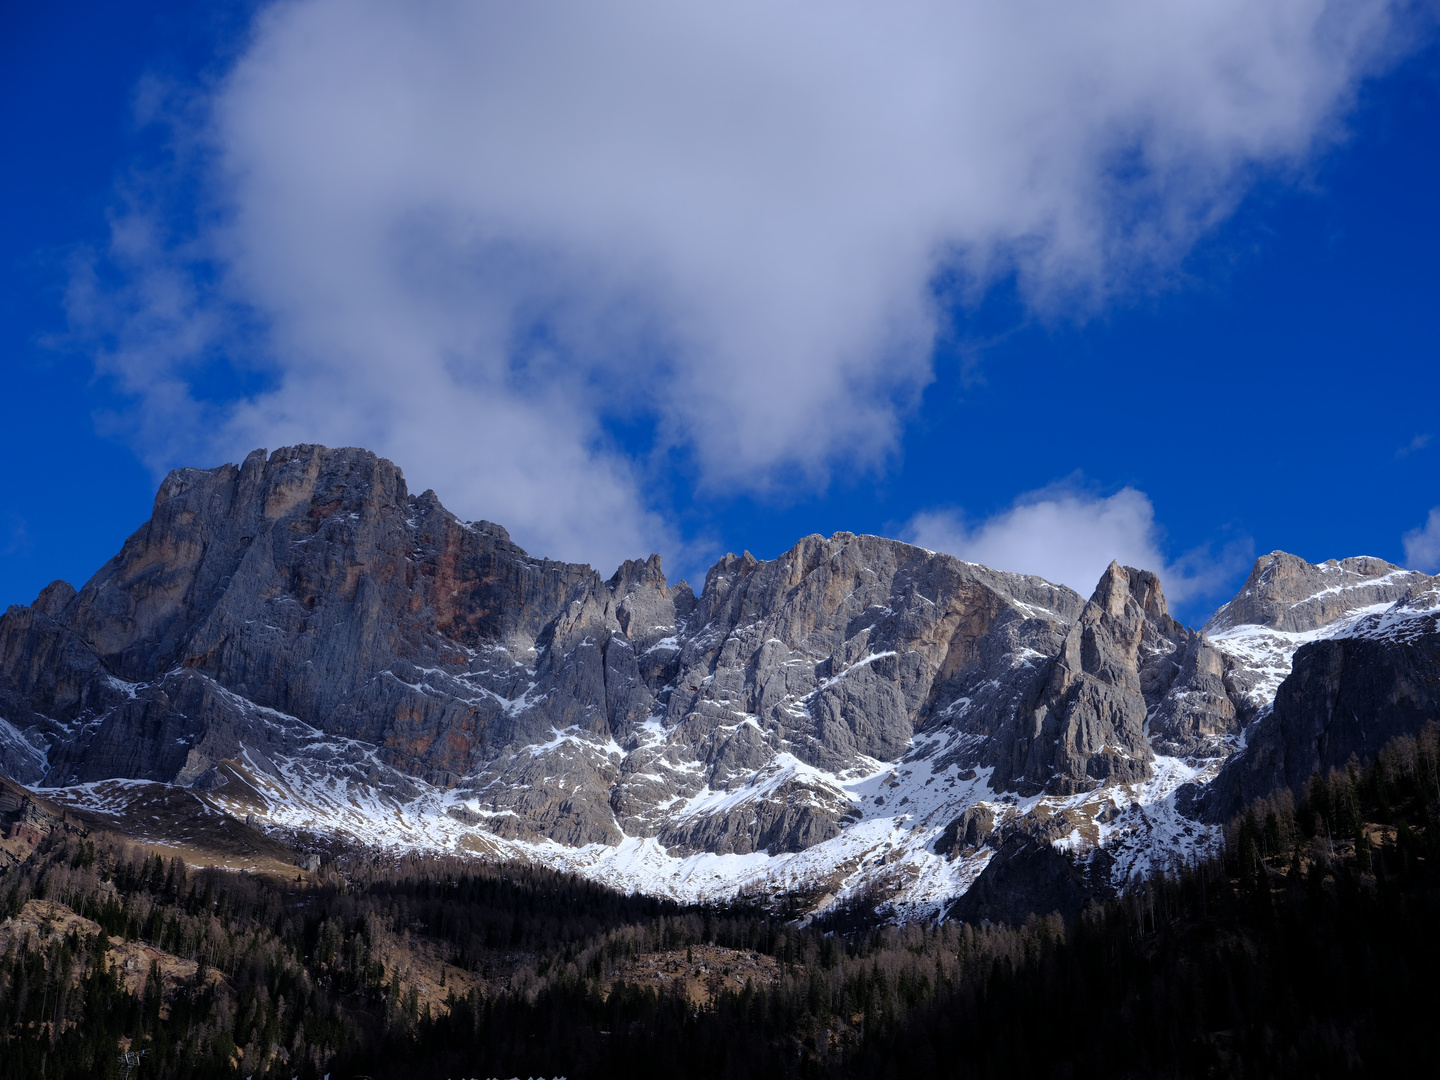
307,644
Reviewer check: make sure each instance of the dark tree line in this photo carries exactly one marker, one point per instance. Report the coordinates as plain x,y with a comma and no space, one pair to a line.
1310,948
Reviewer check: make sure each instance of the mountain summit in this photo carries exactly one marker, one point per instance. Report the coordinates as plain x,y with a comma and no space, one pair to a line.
299,642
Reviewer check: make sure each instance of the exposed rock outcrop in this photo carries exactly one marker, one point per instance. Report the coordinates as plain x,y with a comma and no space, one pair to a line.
1027,876
1284,592
302,642
968,831
1346,696
1088,728
308,591
1286,602
1198,713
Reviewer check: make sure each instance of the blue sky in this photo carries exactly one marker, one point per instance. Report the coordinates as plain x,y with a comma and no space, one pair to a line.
535,267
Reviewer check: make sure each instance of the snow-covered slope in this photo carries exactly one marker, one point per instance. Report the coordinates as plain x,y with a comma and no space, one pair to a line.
896,815
1287,602
1373,676
303,644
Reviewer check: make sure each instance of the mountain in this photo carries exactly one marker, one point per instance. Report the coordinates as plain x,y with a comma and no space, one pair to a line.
1374,676
298,643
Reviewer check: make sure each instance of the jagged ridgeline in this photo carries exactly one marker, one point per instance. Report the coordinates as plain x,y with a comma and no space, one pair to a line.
298,645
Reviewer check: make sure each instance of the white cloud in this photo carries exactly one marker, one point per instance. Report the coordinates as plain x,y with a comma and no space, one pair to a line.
1422,545
1420,442
1070,537
475,233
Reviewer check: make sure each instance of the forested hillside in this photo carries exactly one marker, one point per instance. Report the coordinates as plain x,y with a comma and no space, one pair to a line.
1307,950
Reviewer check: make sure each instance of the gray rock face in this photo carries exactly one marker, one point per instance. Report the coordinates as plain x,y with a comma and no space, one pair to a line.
1346,695
1287,602
311,584
1284,592
306,595
299,631
1198,712
1088,726
832,656
308,591
967,832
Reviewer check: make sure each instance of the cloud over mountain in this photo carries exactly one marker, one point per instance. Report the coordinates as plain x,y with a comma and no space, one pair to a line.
1422,545
479,236
1071,536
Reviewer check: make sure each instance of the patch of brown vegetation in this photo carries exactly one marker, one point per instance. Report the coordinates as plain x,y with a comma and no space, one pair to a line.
15,850
701,972
45,922
421,968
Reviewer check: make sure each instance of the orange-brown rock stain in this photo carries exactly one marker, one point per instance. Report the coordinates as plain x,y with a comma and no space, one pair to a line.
967,619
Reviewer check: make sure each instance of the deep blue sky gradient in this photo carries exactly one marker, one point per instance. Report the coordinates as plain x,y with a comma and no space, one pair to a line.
1272,396
1269,398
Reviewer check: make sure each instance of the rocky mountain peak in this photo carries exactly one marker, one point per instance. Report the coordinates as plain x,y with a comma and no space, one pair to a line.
1122,588
54,598
1422,599
1284,592
1287,602
1088,726
303,641
1352,687
637,572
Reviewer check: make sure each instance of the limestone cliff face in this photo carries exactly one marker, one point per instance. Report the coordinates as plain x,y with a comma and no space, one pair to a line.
298,636
306,596
1200,711
1088,726
309,586
1284,592
1287,602
310,583
1346,696
834,654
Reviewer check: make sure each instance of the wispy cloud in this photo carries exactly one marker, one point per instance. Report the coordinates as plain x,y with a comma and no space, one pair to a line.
16,536
1420,442
1070,536
1422,545
476,235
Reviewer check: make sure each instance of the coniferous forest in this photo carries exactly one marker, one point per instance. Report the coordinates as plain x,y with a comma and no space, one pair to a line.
1309,948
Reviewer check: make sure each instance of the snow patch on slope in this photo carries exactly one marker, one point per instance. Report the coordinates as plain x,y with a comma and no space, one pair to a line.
1403,622
897,811
1269,654
23,759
